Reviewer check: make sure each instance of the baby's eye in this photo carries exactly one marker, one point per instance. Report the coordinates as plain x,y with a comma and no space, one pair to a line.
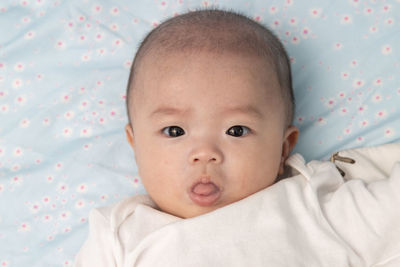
238,131
173,131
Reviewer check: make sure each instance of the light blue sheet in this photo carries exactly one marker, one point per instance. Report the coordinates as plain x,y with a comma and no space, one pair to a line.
63,72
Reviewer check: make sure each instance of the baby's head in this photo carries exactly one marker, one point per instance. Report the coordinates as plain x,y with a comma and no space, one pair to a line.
210,108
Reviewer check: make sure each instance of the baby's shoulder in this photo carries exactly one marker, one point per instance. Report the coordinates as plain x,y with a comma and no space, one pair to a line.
113,215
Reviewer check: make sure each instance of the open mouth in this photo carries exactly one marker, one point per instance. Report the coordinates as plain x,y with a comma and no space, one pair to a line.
204,194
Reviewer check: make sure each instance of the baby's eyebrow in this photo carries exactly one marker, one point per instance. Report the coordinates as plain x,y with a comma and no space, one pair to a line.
164,110
247,109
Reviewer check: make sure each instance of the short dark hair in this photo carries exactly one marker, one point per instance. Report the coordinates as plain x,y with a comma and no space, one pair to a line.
217,31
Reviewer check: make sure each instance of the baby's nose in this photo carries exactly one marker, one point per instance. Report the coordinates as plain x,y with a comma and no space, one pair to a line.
206,155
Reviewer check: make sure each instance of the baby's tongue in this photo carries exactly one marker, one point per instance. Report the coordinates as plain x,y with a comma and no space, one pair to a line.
205,189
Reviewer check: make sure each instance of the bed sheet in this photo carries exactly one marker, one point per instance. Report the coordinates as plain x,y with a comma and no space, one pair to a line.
63,72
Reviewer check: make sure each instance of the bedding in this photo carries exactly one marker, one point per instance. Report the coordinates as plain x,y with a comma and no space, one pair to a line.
64,66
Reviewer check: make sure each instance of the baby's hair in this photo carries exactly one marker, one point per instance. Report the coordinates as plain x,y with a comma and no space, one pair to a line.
217,31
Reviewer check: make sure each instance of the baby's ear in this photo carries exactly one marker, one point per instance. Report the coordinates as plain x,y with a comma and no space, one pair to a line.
129,135
289,142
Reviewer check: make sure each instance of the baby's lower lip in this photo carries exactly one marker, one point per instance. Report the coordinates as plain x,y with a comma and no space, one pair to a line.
204,194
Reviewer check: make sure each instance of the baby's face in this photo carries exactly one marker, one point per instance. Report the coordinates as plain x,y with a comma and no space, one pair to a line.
208,130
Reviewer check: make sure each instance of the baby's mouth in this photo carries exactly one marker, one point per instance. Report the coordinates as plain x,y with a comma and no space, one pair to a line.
204,194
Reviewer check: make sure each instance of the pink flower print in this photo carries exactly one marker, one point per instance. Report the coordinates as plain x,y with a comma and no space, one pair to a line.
2,151
35,207
69,115
389,21
362,109
345,75
114,11
387,8
273,10
343,111
24,227
386,50
24,123
346,19
65,215
128,64
50,238
377,98
86,132
82,188
62,188
49,179
381,114
99,36
67,132
1,188
347,131
114,27
358,83
330,102
46,121
300,120
5,263
368,11
84,104
342,95
293,21
354,63
18,152
17,83
206,3
373,29
47,218
60,45
58,166
65,98
82,38
378,81
113,113
26,20
355,2
305,33
85,58
315,12
20,100
389,132
2,65
295,40
338,46
360,139
81,18
104,197
70,25
97,8
46,200
118,43
258,18
17,167
80,204
321,121
275,24
4,108
87,147
19,67
289,2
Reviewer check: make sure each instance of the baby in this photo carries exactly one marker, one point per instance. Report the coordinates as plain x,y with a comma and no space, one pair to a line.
210,107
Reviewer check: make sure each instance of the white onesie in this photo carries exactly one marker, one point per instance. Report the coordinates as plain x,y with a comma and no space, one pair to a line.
314,218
